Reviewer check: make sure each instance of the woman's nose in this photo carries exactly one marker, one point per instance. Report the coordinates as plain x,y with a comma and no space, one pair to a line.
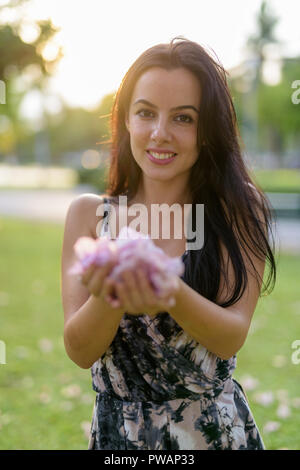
160,131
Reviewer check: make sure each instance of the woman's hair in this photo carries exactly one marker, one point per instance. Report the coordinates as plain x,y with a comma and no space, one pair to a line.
236,211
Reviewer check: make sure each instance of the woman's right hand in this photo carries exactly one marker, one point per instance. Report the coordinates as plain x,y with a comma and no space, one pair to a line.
95,278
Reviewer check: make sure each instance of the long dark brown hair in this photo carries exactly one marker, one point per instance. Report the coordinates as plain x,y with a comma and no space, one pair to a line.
236,211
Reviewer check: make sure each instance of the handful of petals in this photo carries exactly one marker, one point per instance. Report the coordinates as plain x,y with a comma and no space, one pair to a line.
130,251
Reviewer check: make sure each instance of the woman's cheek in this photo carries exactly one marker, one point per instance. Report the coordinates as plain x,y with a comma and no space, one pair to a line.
140,129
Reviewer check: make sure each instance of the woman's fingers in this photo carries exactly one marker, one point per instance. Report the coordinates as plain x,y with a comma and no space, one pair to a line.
96,278
145,288
87,274
134,294
109,293
123,297
139,295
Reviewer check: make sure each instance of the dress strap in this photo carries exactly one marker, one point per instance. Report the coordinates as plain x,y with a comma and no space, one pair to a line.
105,227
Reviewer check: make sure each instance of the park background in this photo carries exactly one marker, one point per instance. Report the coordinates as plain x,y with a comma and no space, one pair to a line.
60,65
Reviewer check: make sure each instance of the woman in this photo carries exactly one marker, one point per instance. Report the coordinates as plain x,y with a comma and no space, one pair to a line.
163,374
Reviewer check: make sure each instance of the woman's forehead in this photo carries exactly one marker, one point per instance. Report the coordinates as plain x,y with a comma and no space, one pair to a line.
167,86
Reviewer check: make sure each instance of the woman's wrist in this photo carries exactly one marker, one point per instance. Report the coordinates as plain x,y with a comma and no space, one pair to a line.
177,294
107,306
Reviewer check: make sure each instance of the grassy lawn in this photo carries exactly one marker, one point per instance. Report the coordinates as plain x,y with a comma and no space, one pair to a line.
283,180
46,401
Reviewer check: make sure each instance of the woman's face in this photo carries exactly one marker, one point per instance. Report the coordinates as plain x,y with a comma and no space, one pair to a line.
162,122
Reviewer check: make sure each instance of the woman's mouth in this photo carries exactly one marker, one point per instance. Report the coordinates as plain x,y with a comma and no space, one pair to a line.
160,158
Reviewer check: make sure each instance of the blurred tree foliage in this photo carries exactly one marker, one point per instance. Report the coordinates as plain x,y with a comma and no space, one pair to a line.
268,119
22,68
68,132
278,118
265,34
75,130
266,114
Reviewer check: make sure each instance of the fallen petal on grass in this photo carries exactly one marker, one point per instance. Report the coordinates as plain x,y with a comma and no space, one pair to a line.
271,426
44,398
66,405
249,383
279,361
296,402
71,391
87,399
38,287
64,378
45,345
5,419
86,427
264,398
4,299
27,382
22,352
283,411
282,395
296,307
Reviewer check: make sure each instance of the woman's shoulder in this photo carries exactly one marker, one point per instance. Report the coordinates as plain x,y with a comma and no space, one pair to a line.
84,209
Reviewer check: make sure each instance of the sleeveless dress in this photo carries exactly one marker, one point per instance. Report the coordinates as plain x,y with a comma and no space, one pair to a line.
159,389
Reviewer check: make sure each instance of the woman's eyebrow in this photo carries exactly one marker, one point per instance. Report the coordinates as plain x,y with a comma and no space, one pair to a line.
147,103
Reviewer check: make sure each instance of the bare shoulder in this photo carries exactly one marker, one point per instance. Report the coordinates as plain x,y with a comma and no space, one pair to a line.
84,213
81,221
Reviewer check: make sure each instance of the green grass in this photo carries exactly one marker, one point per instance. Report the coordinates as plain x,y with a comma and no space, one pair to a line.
35,413
283,180
35,409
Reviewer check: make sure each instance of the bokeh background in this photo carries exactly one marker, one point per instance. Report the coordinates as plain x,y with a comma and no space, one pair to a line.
60,65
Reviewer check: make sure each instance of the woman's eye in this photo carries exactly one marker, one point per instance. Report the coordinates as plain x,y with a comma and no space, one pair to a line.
145,113
184,118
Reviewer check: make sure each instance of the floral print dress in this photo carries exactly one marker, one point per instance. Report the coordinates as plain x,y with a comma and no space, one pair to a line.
159,389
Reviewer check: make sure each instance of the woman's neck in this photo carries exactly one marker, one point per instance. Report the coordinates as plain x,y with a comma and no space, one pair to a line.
158,192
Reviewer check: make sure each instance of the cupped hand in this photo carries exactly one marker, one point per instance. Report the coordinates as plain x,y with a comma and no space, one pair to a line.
136,295
96,280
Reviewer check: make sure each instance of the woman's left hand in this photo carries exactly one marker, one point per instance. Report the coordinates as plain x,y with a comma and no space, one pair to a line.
136,295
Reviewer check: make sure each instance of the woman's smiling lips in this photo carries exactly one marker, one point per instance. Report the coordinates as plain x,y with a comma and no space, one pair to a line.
160,156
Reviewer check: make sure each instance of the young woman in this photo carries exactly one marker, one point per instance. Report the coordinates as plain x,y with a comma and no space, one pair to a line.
163,374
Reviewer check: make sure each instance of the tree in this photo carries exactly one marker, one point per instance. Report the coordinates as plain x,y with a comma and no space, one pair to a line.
248,100
265,35
18,59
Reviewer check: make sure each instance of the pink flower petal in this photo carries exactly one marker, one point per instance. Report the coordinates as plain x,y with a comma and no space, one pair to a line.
130,251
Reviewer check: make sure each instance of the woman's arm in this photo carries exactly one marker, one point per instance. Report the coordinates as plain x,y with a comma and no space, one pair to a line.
222,331
90,324
90,331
